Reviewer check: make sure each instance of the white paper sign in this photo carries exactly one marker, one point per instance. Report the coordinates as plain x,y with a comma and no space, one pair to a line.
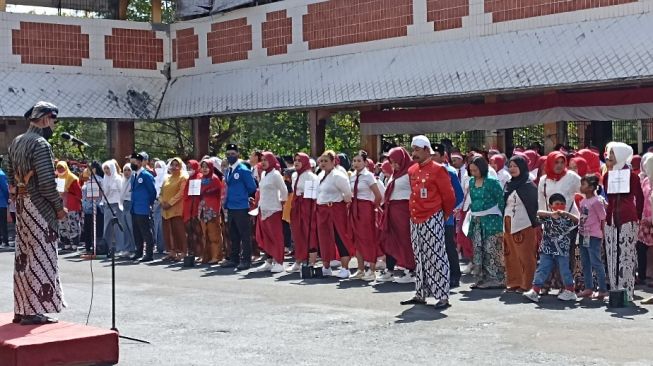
310,189
619,181
254,212
61,185
92,190
194,187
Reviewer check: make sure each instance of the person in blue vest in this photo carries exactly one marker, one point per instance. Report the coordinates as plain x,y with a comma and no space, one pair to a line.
439,156
143,196
240,187
4,202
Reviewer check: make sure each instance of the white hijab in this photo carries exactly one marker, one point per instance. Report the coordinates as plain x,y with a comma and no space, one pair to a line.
623,154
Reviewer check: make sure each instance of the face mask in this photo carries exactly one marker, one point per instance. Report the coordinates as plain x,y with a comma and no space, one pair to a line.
232,159
558,207
47,133
134,167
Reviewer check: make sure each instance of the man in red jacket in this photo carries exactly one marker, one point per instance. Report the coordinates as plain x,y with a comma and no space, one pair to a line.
432,201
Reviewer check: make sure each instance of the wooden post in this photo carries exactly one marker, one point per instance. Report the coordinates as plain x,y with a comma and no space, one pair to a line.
317,123
122,9
494,138
156,11
201,126
121,138
371,144
3,5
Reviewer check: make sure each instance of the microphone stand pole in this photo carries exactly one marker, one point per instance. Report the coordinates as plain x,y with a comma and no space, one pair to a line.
112,254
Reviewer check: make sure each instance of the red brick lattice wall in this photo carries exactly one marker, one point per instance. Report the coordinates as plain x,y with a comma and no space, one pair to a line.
277,32
447,14
339,22
133,48
229,41
49,44
505,10
185,48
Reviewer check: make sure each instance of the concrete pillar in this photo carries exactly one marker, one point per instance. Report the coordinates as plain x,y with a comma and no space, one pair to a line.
317,120
201,127
122,9
371,144
554,133
156,11
3,5
494,138
120,135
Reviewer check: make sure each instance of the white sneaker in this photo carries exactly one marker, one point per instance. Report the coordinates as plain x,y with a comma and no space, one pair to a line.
343,274
369,276
335,263
266,266
276,268
296,267
532,295
357,276
385,276
380,265
406,278
326,272
567,295
467,270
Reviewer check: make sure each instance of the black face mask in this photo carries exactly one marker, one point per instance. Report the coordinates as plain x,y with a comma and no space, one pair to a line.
47,133
134,167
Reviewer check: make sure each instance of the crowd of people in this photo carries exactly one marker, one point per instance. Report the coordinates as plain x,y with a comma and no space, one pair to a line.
527,224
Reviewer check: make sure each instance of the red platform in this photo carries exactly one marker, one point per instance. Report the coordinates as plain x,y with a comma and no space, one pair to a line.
55,344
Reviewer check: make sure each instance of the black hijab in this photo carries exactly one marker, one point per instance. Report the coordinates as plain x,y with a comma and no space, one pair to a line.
344,161
525,188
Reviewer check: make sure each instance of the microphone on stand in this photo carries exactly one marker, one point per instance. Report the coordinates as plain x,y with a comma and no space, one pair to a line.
73,139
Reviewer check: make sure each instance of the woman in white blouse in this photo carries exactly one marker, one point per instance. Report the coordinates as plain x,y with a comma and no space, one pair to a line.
302,215
395,223
269,229
333,232
112,187
366,197
126,247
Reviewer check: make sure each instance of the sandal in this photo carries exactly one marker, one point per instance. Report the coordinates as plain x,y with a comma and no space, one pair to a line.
38,319
414,301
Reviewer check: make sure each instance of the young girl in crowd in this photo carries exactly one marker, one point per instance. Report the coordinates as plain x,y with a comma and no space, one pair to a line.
70,229
112,187
172,211
554,249
302,215
590,232
127,247
209,214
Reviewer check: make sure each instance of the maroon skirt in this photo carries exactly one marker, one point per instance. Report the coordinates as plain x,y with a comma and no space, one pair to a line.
332,218
303,227
269,236
362,217
464,243
395,239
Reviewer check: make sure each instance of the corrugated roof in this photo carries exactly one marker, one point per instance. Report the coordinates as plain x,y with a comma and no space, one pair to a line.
81,95
609,50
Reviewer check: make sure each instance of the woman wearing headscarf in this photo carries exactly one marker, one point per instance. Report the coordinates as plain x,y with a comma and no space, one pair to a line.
172,210
209,213
395,225
624,212
194,235
534,162
498,162
333,230
302,214
70,228
161,170
91,202
636,165
366,197
520,227
485,226
127,246
645,234
269,229
112,187
593,161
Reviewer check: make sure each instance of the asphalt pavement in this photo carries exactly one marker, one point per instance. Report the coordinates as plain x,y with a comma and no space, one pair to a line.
212,316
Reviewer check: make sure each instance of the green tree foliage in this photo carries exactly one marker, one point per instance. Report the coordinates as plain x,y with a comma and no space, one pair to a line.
164,139
93,132
141,11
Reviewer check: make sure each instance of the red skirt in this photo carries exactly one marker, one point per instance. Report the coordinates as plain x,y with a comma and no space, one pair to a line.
269,236
303,227
362,217
395,240
332,218
464,243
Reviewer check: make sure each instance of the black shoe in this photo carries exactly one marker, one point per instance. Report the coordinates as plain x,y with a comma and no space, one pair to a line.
146,259
227,264
243,266
442,304
17,318
414,301
135,257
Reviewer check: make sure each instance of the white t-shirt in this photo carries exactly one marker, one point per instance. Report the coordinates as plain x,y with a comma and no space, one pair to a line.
401,190
333,188
365,182
272,191
516,210
306,176
567,186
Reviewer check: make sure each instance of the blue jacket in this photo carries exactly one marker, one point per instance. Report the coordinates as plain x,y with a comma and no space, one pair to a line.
4,190
143,193
458,189
240,185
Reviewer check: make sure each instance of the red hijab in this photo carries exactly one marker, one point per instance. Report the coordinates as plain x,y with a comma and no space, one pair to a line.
581,165
533,158
306,166
550,163
386,168
400,156
592,159
370,165
195,167
499,161
636,164
273,163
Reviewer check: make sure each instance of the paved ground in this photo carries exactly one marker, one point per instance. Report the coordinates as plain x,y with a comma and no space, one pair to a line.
207,316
